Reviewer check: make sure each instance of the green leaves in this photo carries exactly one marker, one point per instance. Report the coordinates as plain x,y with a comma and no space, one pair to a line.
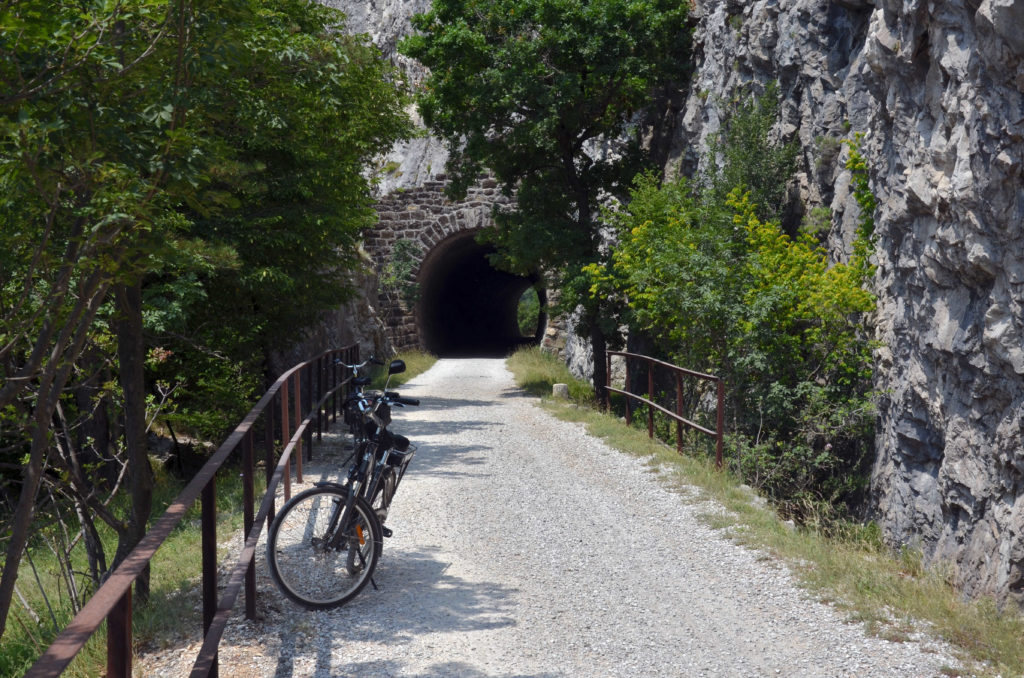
747,158
520,87
210,152
721,291
290,112
158,114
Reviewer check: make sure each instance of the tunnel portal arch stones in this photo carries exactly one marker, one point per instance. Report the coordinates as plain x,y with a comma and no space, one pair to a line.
425,216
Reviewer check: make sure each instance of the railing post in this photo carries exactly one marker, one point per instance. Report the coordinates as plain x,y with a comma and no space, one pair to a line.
307,406
119,638
297,408
208,520
335,380
268,452
628,389
679,412
317,395
339,376
720,429
650,396
248,518
607,381
286,435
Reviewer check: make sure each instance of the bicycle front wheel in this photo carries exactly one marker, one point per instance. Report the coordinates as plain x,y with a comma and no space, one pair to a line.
319,558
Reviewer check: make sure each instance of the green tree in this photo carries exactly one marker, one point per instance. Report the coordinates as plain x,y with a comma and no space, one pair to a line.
397,284
544,94
528,312
195,179
719,287
301,112
724,292
82,174
742,154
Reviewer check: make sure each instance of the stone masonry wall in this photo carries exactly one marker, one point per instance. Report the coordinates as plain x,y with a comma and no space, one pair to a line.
427,217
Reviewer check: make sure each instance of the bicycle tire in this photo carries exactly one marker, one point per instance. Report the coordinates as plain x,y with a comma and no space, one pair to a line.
303,568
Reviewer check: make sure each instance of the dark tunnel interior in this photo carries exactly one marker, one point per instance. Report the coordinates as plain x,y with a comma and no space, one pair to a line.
467,307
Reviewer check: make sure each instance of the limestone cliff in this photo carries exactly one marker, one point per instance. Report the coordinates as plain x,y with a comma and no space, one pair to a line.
938,90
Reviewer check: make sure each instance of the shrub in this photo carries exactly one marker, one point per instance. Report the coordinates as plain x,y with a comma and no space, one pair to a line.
719,290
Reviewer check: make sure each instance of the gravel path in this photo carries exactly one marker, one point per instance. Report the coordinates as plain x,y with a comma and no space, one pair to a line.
523,547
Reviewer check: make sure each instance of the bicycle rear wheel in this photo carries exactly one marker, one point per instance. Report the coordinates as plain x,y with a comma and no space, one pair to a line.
299,556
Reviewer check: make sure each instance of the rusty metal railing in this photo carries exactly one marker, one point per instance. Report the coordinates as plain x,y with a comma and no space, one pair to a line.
677,415
309,393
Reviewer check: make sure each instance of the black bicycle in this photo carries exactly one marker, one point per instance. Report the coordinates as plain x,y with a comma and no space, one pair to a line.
325,543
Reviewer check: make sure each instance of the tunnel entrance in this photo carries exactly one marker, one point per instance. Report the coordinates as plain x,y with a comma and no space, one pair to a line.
467,307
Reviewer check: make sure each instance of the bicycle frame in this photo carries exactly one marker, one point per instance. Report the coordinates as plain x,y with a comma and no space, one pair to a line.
368,472
348,515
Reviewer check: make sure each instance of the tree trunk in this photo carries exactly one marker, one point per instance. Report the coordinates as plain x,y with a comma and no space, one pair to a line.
25,511
131,357
94,437
51,379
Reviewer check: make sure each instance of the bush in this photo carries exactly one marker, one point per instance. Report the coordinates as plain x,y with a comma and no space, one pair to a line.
719,290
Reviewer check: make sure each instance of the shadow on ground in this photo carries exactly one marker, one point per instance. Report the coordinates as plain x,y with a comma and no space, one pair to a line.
420,597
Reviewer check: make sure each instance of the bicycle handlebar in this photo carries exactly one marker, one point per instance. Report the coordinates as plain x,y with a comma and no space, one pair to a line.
389,396
368,361
394,397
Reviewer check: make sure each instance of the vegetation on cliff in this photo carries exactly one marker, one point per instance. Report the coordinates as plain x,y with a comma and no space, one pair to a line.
712,282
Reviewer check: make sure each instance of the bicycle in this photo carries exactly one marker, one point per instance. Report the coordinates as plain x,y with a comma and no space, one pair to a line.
324,545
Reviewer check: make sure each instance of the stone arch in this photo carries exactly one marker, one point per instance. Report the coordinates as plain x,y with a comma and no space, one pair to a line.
465,306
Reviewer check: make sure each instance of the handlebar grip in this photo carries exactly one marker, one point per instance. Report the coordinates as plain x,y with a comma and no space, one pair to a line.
408,401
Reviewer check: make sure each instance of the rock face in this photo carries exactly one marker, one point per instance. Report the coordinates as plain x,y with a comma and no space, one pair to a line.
418,160
947,137
937,89
357,321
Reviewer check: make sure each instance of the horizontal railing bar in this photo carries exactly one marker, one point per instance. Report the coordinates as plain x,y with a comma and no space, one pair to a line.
204,661
666,411
74,636
676,368
652,363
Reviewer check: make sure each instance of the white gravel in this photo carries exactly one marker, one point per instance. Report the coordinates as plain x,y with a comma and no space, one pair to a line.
523,547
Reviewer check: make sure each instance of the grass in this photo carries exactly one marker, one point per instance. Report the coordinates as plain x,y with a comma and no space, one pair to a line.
849,566
416,363
174,603
537,372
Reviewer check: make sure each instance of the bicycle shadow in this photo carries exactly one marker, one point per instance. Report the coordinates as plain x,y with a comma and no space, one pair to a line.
448,461
417,595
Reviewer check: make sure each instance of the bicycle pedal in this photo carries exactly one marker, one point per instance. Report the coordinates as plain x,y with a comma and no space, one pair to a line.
387,531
